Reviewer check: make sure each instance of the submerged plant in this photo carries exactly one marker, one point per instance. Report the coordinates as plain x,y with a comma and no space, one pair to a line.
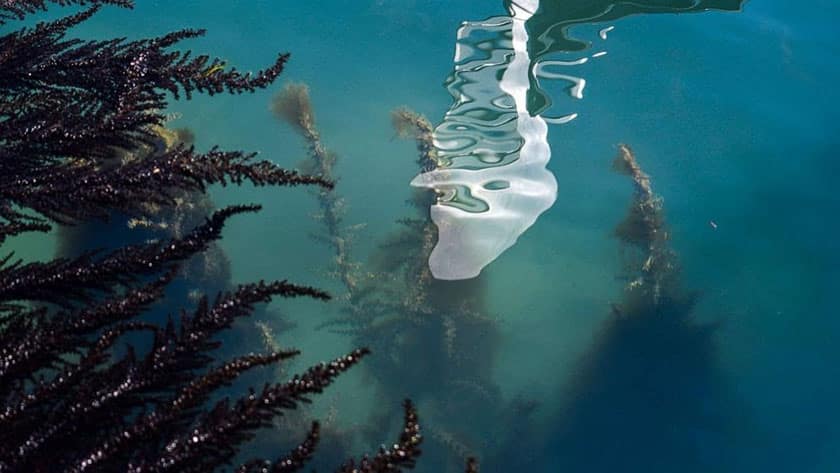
649,393
73,395
644,228
434,337
18,9
293,105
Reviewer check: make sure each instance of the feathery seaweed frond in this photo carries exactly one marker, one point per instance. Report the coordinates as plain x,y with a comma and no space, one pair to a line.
293,461
402,454
64,282
18,9
87,383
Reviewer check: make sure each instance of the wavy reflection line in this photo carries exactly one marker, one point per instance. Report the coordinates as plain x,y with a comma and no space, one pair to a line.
518,190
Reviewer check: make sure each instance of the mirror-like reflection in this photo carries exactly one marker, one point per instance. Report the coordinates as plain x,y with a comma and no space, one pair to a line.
494,130
488,137
549,28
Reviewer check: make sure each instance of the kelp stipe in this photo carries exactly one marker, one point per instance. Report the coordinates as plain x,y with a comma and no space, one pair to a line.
69,401
644,228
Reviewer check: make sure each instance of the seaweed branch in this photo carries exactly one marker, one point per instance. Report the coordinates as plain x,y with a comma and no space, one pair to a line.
402,454
399,309
87,382
651,379
294,106
18,9
644,228
410,124
64,282
293,461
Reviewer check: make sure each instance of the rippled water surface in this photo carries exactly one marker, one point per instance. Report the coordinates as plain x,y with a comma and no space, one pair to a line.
731,108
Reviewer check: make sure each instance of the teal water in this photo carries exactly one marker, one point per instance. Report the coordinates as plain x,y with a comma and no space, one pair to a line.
733,114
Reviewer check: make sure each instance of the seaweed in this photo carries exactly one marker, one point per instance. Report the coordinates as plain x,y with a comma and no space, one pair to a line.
435,339
80,139
648,395
445,335
18,9
410,124
401,455
644,228
293,105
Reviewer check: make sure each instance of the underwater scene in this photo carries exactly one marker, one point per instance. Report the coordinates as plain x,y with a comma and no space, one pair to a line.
575,236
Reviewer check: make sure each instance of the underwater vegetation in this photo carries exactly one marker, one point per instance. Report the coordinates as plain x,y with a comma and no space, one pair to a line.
436,339
649,394
18,9
80,140
96,375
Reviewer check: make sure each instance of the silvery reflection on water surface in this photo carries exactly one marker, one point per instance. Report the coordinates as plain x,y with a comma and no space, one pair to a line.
492,182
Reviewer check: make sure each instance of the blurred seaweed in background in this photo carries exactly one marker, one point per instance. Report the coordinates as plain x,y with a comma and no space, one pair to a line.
438,341
649,394
435,339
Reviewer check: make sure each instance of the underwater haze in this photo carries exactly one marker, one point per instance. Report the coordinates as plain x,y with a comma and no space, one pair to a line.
547,361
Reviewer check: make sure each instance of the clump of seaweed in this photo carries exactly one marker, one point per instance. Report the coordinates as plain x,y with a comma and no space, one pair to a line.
69,106
410,124
18,9
401,455
644,228
420,234
434,338
74,396
649,392
449,322
294,106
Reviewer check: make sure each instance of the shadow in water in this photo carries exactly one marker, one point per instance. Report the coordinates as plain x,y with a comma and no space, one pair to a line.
650,395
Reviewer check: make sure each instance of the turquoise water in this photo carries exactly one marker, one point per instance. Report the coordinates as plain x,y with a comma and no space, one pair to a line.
734,116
